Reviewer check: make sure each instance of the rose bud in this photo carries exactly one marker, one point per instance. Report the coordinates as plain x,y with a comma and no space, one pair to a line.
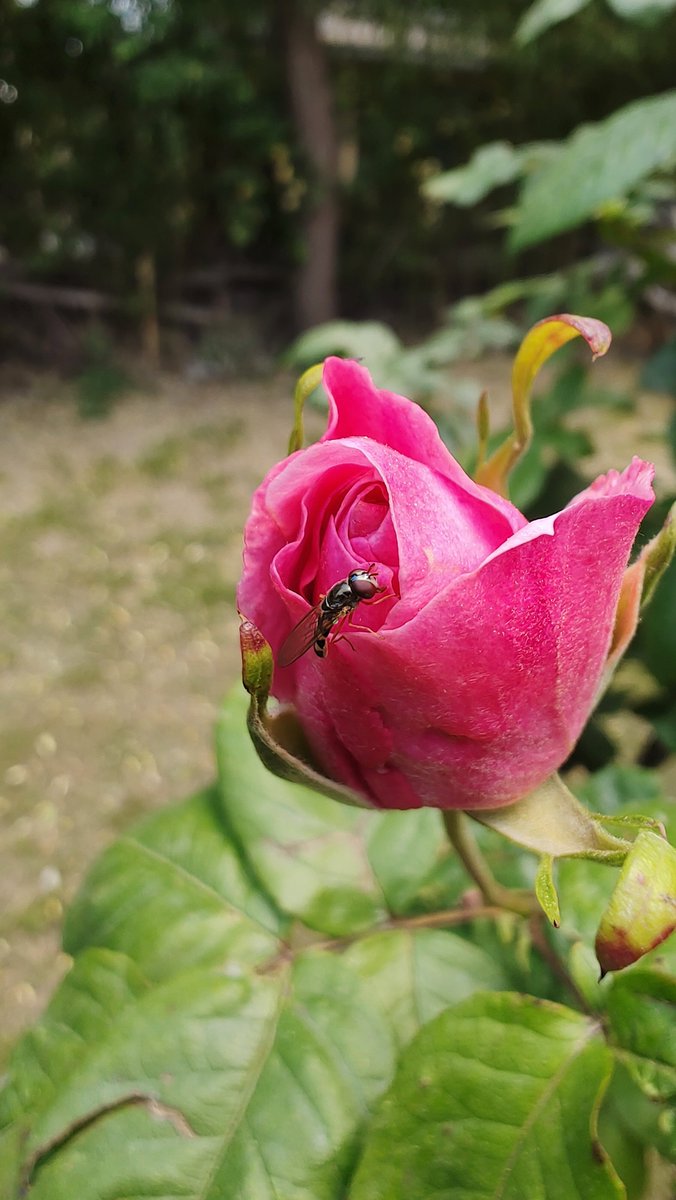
642,909
256,659
462,675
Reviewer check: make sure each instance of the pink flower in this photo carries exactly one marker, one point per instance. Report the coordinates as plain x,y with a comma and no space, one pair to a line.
471,681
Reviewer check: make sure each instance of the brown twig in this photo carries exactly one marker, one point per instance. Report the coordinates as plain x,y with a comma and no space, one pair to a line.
445,919
539,939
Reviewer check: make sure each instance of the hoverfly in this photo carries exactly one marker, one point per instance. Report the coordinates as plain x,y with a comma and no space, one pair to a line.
316,627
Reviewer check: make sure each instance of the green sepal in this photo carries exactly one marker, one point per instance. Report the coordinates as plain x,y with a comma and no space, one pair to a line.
657,556
278,737
545,890
632,821
306,385
551,821
257,661
536,348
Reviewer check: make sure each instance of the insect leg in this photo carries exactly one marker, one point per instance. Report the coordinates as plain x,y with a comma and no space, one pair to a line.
378,599
336,634
341,637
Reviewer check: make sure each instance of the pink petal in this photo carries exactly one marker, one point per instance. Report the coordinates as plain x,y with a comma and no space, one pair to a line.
358,408
486,690
316,518
441,530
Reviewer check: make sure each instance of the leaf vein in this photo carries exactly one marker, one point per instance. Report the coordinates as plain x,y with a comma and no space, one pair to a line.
198,884
543,1099
256,1070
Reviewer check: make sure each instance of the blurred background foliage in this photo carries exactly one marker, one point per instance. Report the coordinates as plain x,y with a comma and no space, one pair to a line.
160,152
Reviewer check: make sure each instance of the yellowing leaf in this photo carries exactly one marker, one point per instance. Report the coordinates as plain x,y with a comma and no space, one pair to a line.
543,340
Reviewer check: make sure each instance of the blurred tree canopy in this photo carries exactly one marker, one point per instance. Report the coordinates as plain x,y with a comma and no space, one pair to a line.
145,140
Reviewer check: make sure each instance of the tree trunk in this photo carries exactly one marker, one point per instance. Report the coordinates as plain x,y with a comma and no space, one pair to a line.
312,107
149,329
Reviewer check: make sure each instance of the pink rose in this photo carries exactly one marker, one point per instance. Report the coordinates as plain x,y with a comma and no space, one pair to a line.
469,683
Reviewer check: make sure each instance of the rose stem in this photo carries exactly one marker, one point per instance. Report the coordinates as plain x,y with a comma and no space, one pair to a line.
538,935
494,893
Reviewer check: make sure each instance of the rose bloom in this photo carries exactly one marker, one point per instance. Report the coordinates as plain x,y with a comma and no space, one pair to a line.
469,680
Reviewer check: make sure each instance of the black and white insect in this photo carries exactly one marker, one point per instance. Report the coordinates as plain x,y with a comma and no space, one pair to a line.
322,624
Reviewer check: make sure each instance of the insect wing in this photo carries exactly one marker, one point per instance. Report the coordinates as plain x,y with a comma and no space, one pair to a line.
302,637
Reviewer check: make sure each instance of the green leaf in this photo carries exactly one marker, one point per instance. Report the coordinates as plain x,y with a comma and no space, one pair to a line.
371,340
306,851
175,891
11,1145
605,160
208,1088
542,15
495,1099
619,788
637,10
410,372
412,975
100,986
651,1122
491,166
642,1014
404,848
620,1136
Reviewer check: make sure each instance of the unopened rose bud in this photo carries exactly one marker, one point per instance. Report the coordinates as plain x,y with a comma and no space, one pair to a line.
257,662
279,738
464,681
642,908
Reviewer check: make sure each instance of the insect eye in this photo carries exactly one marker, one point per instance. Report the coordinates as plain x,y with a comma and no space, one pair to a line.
363,584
